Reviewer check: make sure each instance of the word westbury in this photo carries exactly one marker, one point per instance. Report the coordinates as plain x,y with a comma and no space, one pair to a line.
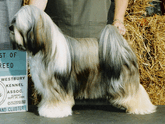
12,78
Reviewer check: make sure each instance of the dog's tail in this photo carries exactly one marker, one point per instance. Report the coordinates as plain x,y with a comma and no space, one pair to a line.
114,52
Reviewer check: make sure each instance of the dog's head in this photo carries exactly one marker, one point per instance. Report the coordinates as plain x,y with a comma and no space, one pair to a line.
29,29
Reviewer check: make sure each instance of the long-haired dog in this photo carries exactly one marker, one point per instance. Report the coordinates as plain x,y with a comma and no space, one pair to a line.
64,68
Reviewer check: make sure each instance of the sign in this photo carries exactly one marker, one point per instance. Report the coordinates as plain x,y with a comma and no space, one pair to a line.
13,81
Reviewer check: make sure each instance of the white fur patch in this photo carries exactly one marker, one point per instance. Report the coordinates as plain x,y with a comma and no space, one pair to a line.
59,44
62,56
18,37
59,111
36,68
140,103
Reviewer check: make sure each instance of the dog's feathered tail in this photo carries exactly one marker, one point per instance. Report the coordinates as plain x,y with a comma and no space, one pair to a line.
118,64
114,52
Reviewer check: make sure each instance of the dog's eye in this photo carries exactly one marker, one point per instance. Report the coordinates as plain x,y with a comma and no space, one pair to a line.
11,28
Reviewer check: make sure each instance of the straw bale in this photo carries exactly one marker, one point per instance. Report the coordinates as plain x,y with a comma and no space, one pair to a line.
146,35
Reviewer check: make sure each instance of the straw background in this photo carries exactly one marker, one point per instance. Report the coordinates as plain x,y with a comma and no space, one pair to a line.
146,35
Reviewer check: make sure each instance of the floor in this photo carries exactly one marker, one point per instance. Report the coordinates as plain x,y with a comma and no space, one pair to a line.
86,114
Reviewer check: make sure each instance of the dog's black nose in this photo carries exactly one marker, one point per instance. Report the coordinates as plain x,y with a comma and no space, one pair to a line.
11,28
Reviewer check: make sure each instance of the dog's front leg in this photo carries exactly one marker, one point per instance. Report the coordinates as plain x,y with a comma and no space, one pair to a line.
53,107
56,102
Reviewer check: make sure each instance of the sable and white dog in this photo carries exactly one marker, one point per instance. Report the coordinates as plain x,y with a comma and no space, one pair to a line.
64,68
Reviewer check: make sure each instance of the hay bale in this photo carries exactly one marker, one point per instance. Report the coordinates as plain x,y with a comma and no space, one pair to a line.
146,36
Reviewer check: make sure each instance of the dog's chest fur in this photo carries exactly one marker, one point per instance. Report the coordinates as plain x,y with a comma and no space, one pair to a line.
37,71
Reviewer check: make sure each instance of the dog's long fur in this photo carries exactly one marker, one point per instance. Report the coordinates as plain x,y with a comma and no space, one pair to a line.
64,68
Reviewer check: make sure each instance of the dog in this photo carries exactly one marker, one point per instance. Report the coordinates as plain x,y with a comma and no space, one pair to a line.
64,68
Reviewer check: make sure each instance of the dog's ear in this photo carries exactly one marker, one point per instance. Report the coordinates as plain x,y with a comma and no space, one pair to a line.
30,42
36,37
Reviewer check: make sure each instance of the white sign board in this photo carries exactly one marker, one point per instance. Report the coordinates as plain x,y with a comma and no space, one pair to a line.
13,81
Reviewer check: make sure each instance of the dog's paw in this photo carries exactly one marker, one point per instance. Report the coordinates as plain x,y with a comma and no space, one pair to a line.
140,103
146,110
55,111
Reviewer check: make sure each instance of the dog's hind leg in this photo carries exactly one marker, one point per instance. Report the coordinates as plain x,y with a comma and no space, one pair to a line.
129,93
140,103
120,73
